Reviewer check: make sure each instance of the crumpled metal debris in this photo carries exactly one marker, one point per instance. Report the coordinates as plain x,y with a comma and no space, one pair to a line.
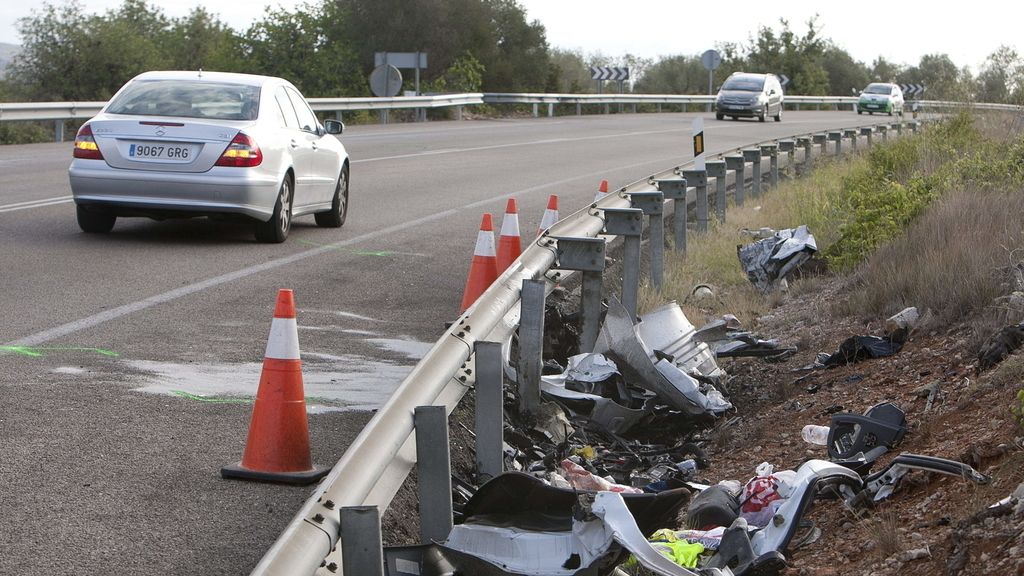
515,525
599,397
667,331
767,262
620,340
725,337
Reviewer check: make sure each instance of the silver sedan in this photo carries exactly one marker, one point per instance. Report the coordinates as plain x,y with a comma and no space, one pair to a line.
186,144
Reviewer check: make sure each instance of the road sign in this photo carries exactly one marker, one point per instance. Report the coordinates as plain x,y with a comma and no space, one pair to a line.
401,59
711,59
783,79
385,81
609,73
912,89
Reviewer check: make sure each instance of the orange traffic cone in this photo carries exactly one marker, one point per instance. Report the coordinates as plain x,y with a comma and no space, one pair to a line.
550,215
510,246
277,449
484,269
602,190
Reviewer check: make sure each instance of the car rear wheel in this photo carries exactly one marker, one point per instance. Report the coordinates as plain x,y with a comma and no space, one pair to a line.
275,230
94,221
719,116
860,112
339,206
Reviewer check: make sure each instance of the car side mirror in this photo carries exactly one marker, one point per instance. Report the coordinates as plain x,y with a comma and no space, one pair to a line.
334,126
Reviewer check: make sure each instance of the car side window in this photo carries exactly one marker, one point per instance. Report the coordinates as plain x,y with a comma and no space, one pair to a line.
307,120
284,104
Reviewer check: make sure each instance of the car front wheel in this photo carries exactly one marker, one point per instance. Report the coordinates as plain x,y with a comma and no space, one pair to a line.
339,206
94,222
778,117
764,114
275,230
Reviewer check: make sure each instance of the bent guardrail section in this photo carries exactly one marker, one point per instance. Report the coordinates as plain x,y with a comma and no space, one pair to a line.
381,457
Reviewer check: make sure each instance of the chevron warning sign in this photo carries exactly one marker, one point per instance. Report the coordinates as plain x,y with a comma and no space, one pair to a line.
609,72
912,89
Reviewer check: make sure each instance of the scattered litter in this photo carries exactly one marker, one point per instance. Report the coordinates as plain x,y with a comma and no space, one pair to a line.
857,348
579,478
905,319
767,262
727,340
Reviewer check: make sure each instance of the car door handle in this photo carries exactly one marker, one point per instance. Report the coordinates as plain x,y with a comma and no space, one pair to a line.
294,144
314,146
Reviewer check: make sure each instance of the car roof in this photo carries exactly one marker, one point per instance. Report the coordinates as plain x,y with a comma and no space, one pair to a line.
205,76
889,84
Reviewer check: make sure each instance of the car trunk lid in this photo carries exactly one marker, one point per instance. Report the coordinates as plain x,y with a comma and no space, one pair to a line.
166,145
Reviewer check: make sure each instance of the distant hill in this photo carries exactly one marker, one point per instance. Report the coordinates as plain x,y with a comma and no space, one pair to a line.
7,53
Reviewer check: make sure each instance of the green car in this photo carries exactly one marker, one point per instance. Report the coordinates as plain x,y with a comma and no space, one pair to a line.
881,97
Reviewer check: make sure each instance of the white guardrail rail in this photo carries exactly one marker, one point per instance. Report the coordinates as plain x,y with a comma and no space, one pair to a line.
58,112
378,461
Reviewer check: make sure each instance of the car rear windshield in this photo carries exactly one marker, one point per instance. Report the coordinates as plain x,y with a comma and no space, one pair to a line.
188,99
744,83
877,89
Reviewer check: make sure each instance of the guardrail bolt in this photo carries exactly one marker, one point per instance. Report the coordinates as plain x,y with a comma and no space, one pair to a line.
332,567
329,504
318,518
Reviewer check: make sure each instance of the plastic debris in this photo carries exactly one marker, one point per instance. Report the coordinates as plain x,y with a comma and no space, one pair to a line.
767,262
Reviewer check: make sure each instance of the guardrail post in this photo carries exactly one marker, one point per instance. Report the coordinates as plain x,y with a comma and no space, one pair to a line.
458,112
532,301
716,170
488,424
551,109
653,205
868,132
837,137
823,141
699,180
772,152
914,126
535,110
628,223
806,143
659,107
383,116
58,130
884,130
433,465
898,127
754,157
736,164
579,109
851,133
789,147
362,549
675,190
587,256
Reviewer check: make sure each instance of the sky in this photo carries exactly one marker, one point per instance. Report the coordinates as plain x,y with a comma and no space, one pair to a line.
653,28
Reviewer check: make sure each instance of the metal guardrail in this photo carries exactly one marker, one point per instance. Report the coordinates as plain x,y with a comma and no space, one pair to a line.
375,466
58,112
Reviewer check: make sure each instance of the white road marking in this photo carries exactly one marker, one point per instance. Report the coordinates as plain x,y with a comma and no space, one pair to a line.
34,203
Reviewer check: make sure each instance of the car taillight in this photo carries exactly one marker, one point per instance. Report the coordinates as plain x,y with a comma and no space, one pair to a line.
85,145
241,153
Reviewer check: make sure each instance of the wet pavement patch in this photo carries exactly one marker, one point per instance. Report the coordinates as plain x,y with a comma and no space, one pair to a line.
331,382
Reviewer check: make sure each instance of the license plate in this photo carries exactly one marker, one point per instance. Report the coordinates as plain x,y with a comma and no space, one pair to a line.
166,151
872,105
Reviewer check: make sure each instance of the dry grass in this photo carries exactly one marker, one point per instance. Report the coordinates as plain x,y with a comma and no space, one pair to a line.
882,530
949,260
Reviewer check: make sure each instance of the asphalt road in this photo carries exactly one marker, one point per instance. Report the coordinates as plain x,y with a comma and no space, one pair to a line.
127,360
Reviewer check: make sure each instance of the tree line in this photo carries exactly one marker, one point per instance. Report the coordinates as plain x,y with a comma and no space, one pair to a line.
326,48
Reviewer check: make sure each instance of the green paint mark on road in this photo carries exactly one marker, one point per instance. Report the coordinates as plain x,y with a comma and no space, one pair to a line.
211,399
37,351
